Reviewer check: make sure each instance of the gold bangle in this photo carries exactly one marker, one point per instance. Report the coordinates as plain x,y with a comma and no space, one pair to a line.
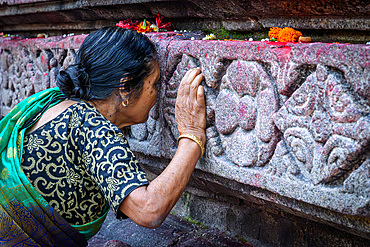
194,138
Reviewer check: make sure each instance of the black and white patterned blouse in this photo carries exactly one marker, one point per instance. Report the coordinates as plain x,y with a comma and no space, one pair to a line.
79,161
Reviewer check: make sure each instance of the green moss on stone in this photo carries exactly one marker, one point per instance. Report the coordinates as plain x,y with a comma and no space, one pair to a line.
198,223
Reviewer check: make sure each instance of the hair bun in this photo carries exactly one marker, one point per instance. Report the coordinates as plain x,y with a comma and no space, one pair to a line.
74,82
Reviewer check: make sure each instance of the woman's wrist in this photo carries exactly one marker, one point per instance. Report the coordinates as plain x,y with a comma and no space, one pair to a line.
195,139
190,147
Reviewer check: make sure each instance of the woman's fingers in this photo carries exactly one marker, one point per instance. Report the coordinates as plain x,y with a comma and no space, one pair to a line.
186,83
194,86
190,85
185,79
200,96
188,78
184,88
190,113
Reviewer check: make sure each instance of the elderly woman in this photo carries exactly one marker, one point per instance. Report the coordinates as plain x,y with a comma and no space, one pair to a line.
65,160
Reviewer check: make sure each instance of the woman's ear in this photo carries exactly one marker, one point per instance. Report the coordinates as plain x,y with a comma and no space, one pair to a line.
121,90
122,82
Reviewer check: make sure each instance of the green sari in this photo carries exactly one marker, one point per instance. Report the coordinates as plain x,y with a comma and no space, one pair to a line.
26,218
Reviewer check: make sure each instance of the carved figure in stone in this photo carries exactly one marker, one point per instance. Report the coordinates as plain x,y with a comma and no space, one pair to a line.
25,72
55,64
42,63
244,110
6,86
17,71
148,133
54,70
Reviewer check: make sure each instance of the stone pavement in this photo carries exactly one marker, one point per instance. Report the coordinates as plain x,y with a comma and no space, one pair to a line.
173,232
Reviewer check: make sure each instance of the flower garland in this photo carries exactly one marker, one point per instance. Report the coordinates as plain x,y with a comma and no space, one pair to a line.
286,34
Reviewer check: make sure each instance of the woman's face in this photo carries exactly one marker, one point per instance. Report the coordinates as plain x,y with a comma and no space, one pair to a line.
138,109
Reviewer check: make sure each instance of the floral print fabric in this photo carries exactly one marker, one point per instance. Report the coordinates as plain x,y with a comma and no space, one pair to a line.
79,161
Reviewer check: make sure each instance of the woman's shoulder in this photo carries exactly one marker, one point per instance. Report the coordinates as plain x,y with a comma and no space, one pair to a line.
71,113
55,113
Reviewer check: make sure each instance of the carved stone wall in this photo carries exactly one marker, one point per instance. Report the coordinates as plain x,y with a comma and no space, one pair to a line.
287,124
31,65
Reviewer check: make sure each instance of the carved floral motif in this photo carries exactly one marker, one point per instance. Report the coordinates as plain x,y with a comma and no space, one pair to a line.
322,124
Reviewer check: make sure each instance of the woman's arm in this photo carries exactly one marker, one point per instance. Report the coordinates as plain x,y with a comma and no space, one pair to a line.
149,205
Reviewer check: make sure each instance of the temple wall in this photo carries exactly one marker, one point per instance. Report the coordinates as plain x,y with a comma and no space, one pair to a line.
288,131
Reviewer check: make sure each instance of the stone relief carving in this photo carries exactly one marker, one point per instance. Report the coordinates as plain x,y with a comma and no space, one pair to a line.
325,127
306,138
28,70
18,73
320,134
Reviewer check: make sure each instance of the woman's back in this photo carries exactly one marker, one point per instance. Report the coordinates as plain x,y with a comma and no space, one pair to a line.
77,160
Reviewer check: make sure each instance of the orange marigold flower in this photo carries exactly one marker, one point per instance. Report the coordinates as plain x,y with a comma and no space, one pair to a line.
144,27
288,34
274,32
